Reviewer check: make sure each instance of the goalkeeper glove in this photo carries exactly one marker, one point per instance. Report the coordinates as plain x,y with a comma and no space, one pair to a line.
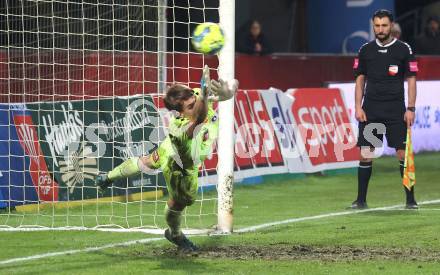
223,90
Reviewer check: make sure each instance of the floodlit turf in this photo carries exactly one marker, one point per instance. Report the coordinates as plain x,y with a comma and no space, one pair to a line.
394,241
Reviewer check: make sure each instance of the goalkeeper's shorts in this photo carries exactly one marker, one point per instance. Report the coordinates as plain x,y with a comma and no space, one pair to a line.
181,183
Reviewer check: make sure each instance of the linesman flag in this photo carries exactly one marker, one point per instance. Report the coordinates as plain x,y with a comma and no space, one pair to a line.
409,174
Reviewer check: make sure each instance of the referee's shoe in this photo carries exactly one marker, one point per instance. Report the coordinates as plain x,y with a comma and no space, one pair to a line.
411,205
357,205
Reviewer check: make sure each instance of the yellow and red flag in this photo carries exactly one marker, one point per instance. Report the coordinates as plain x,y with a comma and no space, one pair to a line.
409,174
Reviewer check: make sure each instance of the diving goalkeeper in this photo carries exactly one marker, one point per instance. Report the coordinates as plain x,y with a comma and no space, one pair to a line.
191,135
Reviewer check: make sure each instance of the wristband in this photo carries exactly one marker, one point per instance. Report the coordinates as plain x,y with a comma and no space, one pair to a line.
412,109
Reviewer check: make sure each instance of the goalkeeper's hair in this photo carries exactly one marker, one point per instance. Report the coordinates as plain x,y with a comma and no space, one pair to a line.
175,96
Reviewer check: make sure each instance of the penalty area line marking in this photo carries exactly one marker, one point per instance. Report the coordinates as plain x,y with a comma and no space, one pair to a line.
334,214
75,251
417,210
242,230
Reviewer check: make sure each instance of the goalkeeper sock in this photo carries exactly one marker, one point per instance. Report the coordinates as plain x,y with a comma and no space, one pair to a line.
364,174
173,219
409,193
126,169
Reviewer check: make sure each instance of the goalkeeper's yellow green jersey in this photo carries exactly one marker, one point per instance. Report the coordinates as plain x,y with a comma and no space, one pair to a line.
187,152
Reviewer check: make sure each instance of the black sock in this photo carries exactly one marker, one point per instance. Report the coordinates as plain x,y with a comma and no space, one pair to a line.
409,193
402,167
364,174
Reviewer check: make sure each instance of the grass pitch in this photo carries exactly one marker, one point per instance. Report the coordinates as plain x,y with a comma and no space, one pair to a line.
393,241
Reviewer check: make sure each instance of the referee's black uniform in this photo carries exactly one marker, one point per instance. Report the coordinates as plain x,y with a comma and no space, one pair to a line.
384,67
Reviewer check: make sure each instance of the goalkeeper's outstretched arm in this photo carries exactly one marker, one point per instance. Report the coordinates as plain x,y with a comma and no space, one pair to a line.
200,111
211,90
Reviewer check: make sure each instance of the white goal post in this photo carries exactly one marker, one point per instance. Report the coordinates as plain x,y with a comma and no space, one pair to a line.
225,168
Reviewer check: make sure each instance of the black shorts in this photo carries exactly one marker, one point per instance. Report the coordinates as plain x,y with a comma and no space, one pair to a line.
383,117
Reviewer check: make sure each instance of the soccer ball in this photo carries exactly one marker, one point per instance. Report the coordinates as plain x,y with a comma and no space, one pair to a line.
208,38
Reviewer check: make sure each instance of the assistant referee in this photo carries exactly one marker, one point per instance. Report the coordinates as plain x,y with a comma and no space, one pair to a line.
380,69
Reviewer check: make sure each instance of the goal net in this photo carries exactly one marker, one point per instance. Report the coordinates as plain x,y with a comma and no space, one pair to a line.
81,87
